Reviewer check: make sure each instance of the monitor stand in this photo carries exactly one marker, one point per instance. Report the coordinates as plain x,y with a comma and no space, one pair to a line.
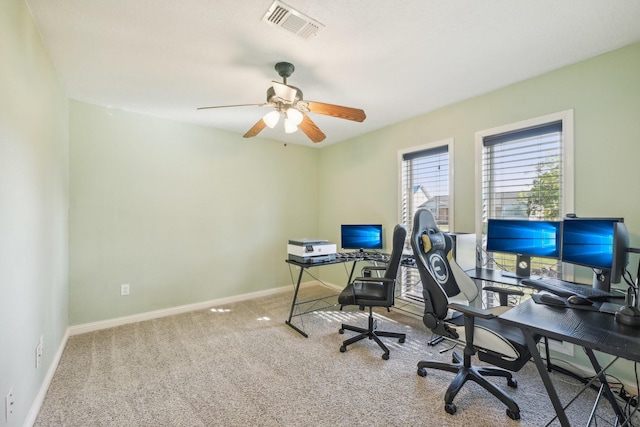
602,280
629,314
523,268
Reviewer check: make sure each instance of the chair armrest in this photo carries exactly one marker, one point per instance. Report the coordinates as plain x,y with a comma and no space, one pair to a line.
373,279
501,290
471,311
367,269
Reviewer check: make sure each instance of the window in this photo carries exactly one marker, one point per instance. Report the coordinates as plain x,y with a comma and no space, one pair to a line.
425,181
526,173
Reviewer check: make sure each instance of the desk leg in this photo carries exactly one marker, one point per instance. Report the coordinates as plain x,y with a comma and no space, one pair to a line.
353,268
504,299
293,305
546,379
606,390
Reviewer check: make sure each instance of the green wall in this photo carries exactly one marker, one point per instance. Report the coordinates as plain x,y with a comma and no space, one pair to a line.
604,93
34,201
181,213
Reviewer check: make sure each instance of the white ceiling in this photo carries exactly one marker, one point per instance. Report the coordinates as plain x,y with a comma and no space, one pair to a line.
394,59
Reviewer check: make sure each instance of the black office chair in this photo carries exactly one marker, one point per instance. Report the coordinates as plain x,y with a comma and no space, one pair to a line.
375,292
443,282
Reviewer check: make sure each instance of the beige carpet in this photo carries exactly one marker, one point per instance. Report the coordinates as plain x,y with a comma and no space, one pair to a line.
241,365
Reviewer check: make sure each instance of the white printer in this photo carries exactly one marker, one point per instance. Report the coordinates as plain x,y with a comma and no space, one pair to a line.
311,250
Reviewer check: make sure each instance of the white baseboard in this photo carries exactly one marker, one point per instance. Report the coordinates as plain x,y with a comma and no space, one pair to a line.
134,318
110,323
46,382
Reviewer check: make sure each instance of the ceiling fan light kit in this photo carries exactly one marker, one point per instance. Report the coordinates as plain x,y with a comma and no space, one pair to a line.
271,118
294,116
288,100
289,126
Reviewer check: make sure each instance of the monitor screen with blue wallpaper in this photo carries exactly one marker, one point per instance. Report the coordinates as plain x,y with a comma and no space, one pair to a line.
361,236
524,237
589,241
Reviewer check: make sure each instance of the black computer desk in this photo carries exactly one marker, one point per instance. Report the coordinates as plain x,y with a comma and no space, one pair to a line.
591,330
315,304
354,258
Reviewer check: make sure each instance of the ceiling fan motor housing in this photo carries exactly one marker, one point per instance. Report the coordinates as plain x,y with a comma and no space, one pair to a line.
272,98
285,69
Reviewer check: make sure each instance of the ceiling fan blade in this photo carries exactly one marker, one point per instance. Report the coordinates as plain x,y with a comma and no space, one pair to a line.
255,129
285,92
311,130
339,111
237,105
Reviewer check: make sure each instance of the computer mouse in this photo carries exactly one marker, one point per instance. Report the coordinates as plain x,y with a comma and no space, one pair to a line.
578,300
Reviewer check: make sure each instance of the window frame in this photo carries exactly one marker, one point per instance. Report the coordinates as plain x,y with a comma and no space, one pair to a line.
449,143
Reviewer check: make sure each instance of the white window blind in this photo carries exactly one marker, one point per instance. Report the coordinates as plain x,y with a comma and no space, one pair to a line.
522,179
425,183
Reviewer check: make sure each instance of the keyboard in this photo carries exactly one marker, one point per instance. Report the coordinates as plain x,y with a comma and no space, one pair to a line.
566,289
363,256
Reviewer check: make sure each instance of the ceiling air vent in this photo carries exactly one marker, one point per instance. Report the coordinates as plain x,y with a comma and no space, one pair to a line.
290,20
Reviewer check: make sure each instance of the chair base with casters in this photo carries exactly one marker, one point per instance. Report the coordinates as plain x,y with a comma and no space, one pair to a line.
372,333
465,371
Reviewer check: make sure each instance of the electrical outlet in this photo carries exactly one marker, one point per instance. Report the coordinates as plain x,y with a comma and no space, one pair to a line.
39,350
124,289
9,405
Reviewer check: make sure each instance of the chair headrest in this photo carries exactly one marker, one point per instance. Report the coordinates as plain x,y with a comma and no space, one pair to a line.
425,224
432,240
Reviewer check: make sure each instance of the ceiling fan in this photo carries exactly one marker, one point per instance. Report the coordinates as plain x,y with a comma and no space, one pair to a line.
287,101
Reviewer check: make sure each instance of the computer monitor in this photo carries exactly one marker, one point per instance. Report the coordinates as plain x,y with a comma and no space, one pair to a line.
526,239
592,242
620,257
361,236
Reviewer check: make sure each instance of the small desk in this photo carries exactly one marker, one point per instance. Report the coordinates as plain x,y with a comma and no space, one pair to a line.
590,330
303,267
